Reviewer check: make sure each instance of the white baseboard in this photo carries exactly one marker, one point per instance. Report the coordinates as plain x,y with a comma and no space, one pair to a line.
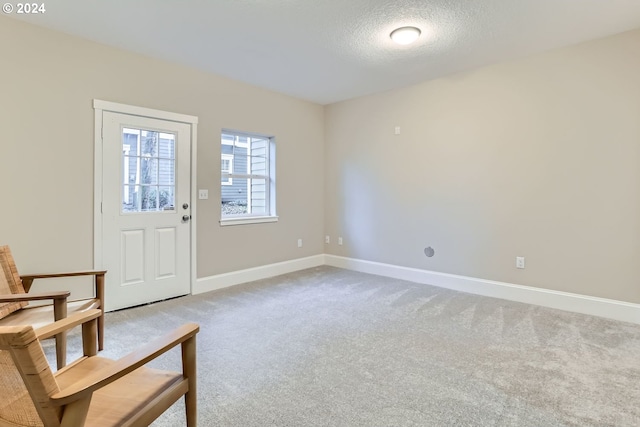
219,281
602,307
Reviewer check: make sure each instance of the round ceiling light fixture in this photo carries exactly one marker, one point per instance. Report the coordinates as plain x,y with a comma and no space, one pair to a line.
405,35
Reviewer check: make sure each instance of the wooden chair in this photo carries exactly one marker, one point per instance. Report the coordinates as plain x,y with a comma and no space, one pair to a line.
14,299
92,391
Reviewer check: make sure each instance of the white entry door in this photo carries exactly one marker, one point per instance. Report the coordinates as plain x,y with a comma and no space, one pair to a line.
146,209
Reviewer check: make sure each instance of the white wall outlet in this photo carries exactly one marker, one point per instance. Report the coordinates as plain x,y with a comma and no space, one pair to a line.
520,262
299,243
396,130
203,194
340,241
327,239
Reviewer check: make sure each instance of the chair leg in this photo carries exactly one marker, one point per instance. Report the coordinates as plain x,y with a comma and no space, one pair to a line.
101,332
99,280
60,312
189,371
61,349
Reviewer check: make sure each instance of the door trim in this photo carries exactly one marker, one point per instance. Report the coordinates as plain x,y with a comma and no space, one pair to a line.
101,106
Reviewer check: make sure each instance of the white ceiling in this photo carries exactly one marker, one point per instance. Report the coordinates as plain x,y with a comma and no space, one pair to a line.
331,50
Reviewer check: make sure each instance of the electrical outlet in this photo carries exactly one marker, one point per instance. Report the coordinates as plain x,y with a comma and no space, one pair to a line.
299,243
340,241
519,262
327,239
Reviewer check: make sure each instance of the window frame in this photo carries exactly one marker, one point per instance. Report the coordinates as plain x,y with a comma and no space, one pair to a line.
269,177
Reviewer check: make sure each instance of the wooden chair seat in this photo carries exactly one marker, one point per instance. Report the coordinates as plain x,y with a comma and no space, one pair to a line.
120,401
41,316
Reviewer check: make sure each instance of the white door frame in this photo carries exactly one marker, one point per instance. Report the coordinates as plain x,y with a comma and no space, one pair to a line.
99,107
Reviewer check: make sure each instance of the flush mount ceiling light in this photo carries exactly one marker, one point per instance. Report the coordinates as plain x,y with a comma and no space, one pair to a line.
405,35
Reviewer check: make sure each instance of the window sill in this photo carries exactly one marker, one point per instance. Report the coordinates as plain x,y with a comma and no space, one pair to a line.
247,220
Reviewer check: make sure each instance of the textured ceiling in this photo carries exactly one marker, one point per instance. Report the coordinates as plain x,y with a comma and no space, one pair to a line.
331,50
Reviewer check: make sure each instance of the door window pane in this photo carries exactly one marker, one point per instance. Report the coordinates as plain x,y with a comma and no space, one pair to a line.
148,171
166,175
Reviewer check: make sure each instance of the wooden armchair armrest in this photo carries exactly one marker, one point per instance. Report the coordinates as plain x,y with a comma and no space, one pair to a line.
27,279
89,322
67,323
59,301
83,389
60,307
56,295
70,274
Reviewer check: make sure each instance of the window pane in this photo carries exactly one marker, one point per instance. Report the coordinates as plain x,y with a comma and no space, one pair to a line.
166,172
148,198
166,199
236,192
128,199
148,170
240,161
245,196
167,146
259,146
258,202
140,198
259,166
130,168
149,143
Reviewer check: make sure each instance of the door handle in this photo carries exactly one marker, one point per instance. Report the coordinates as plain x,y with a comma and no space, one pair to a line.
186,218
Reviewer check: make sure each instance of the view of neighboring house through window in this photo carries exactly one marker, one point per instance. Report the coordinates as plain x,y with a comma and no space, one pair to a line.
226,166
247,175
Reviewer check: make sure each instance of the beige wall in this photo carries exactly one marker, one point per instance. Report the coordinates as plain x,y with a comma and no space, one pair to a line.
538,158
49,81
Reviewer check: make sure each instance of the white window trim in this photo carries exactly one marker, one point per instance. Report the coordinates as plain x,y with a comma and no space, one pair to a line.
270,179
240,220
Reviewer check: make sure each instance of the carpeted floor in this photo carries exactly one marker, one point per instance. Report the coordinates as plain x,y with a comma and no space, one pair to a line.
332,347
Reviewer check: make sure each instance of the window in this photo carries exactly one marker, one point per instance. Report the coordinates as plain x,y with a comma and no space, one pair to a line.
247,166
148,171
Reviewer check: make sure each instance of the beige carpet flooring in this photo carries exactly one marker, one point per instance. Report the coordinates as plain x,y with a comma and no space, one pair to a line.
331,347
